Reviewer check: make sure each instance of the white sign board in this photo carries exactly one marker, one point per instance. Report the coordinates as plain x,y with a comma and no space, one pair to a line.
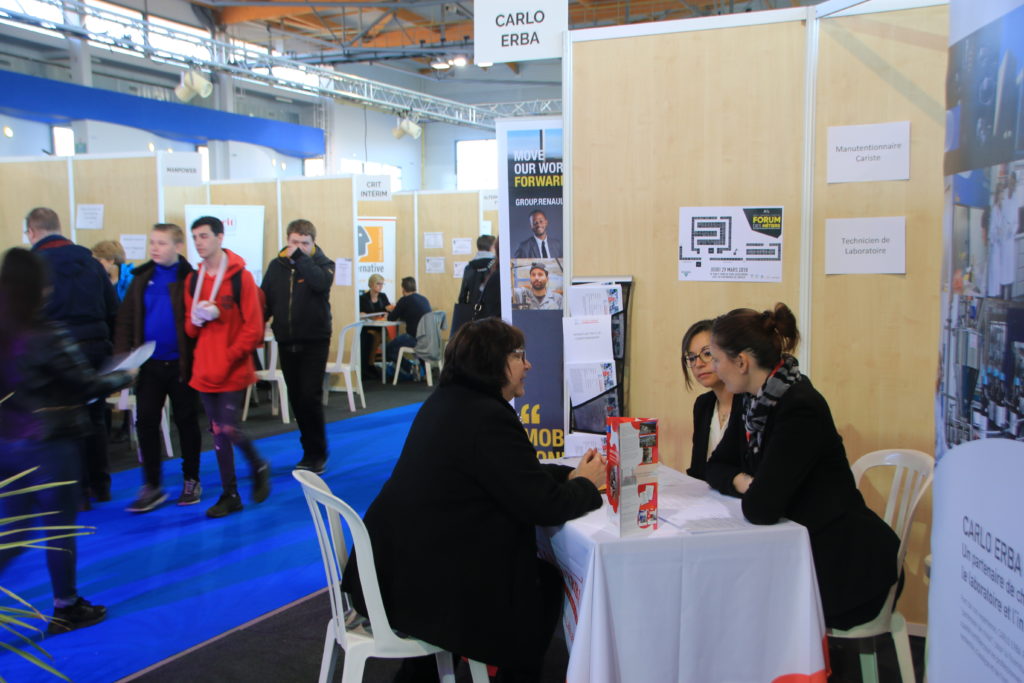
373,187
459,269
243,232
878,151
89,217
505,31
435,264
134,247
462,245
180,168
433,240
865,245
730,244
488,200
343,272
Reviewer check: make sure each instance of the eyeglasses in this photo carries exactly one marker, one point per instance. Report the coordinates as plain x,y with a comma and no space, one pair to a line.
520,354
704,356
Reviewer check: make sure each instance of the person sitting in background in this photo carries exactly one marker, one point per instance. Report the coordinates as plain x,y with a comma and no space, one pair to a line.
45,383
453,528
372,301
111,255
790,463
714,411
411,306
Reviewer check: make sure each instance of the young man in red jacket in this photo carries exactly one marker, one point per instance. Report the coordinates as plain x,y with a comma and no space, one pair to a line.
224,314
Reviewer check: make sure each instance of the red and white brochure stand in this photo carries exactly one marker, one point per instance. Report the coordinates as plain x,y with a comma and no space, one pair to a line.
631,449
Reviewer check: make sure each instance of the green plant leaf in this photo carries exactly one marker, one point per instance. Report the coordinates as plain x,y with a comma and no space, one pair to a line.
35,660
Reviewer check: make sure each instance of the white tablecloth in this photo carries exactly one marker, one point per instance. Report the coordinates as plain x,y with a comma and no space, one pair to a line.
738,604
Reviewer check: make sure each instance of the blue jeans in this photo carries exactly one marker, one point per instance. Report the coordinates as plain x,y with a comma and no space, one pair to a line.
57,460
397,343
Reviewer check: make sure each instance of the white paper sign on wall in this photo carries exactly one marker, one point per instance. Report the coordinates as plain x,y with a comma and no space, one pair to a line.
865,245
507,31
877,151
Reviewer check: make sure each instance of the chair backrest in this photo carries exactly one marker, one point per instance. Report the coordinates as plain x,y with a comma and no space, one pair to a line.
324,505
912,476
428,335
355,329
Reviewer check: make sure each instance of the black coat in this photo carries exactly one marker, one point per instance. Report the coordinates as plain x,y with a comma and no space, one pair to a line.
703,413
131,317
298,294
804,476
82,297
453,529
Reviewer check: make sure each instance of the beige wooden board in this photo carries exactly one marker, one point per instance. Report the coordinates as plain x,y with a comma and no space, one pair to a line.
455,214
719,122
876,337
327,202
253,194
177,197
127,189
25,185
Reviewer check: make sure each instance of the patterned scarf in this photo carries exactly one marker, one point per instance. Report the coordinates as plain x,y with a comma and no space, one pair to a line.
785,375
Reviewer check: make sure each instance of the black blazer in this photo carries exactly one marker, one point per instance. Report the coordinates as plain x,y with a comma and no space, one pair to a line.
454,528
803,475
703,413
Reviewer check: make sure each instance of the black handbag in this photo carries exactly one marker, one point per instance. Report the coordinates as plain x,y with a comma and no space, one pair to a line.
465,312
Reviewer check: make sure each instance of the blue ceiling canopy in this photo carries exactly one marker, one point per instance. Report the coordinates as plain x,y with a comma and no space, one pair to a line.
57,102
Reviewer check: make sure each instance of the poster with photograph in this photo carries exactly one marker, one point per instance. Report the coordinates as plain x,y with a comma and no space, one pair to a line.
976,598
532,267
730,244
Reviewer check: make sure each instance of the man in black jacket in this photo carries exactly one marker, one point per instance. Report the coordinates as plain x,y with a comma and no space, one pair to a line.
298,287
154,310
83,300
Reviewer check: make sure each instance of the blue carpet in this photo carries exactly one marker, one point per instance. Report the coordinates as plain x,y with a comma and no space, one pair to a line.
172,578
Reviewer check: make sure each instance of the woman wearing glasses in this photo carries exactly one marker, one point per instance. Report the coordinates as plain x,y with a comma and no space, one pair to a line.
792,464
714,412
453,529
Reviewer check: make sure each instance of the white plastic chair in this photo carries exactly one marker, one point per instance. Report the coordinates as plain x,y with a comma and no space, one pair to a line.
912,476
278,387
353,368
358,640
125,400
429,347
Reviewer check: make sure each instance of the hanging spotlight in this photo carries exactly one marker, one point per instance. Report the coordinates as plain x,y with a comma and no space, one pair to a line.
193,83
440,63
459,60
407,126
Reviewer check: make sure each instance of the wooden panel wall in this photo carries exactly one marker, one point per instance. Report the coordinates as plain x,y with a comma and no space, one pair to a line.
24,185
127,189
718,122
455,214
876,337
327,202
175,199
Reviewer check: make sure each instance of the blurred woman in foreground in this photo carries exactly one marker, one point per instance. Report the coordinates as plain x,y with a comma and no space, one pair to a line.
793,464
453,529
45,384
714,411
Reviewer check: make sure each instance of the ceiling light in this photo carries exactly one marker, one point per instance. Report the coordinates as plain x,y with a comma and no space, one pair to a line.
8,132
440,63
193,83
407,126
485,65
151,147
460,61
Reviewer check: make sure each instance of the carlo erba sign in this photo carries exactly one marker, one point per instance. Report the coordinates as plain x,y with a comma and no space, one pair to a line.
511,31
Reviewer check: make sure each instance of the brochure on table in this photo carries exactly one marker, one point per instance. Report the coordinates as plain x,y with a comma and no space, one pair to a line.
631,449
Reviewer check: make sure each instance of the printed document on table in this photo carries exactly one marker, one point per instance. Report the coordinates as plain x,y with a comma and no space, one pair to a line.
587,339
578,443
595,299
587,380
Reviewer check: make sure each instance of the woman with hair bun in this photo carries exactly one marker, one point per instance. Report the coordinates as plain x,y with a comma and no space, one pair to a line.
793,464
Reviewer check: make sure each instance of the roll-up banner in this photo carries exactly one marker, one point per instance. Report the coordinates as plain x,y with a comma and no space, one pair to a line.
976,598
533,266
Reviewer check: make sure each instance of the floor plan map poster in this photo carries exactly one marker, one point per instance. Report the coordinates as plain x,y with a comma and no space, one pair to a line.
730,243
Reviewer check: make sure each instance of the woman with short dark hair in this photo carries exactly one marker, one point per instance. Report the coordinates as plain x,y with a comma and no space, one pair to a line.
453,529
792,464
